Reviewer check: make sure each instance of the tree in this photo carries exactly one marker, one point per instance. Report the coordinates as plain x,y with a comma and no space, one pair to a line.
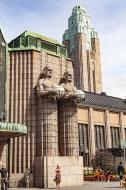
103,160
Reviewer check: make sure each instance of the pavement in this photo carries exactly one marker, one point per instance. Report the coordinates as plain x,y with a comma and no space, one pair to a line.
86,186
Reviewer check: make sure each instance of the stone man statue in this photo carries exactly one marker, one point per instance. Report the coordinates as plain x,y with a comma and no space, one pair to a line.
47,113
70,89
68,125
45,84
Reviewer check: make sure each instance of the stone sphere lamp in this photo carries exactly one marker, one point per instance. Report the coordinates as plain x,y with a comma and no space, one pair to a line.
59,91
80,95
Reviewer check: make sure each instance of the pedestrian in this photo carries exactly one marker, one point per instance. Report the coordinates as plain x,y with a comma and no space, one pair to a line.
97,175
124,179
108,176
120,170
4,177
103,177
57,177
27,177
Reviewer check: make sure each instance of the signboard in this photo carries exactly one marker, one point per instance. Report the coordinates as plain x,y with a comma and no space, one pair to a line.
2,72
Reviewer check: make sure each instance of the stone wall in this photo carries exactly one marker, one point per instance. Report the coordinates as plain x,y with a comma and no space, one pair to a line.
23,70
71,171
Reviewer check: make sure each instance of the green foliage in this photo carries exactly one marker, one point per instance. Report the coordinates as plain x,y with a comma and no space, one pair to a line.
103,160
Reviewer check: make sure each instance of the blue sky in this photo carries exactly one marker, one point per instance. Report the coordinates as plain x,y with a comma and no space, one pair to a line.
49,17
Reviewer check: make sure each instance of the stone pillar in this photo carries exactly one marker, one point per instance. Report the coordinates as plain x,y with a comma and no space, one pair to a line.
107,130
122,132
47,127
91,133
68,128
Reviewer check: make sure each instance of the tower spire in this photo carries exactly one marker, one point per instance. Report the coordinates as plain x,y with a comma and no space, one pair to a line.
82,44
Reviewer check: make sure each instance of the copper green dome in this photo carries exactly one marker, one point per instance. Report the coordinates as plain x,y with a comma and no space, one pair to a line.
79,23
78,9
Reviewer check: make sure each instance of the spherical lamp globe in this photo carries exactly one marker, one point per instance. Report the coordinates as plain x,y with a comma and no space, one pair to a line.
80,95
59,91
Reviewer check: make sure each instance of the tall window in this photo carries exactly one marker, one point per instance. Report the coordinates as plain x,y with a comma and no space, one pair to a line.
125,133
115,137
83,142
93,74
93,77
83,136
99,137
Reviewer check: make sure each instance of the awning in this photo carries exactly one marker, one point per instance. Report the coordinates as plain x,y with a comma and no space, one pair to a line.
9,130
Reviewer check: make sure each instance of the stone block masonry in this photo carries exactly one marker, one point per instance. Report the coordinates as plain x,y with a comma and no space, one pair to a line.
71,171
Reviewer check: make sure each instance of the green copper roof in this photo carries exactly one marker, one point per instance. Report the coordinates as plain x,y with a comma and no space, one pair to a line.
78,9
8,130
36,35
79,23
33,41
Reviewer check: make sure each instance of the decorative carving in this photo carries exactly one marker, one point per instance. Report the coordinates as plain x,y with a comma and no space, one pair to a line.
46,86
70,89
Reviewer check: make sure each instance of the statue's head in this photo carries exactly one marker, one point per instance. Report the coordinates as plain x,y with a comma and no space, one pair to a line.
67,76
47,72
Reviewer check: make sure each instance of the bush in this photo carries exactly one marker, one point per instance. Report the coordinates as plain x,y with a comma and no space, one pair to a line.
103,160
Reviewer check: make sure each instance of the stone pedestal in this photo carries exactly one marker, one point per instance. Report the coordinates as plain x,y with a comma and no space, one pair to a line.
68,128
53,125
47,127
71,171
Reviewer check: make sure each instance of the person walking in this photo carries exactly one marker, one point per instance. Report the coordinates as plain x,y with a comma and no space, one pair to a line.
57,177
27,177
4,177
108,176
124,179
120,170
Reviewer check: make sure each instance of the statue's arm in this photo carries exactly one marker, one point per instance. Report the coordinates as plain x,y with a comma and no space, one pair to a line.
40,90
69,93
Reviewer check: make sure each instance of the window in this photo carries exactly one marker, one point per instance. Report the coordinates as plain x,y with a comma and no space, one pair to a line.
115,137
93,76
32,41
125,132
83,142
99,137
83,136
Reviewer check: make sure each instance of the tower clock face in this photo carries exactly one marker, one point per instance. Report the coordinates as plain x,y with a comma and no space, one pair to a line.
2,73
